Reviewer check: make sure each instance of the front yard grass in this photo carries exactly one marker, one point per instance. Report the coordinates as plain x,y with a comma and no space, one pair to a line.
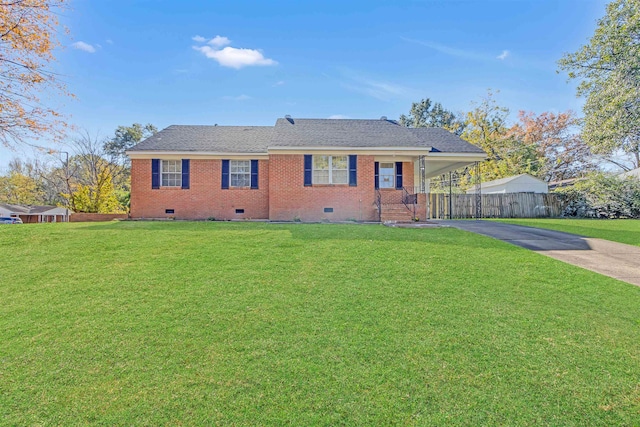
176,323
617,230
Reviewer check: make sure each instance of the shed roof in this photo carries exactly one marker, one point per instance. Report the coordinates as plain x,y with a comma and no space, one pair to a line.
508,179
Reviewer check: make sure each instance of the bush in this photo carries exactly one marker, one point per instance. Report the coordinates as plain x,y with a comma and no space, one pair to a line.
602,196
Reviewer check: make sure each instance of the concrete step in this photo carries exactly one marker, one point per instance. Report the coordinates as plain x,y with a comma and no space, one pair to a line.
395,212
397,217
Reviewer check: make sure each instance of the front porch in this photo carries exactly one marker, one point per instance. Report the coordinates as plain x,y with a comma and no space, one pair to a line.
404,197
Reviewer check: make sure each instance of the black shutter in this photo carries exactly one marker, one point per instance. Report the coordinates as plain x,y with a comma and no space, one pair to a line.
377,178
353,170
308,171
225,174
398,175
155,173
185,174
254,174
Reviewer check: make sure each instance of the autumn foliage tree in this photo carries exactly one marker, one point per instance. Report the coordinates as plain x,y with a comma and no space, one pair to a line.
28,30
554,139
94,177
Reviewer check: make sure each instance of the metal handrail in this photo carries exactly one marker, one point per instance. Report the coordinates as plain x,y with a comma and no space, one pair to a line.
378,203
409,199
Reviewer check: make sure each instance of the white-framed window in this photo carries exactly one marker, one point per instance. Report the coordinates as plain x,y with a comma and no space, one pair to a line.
240,173
330,169
387,175
171,173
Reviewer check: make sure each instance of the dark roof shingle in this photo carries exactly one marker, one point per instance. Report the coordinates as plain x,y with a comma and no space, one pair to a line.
342,133
222,139
444,141
296,133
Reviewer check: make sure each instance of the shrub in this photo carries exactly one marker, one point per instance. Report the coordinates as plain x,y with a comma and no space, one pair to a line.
602,196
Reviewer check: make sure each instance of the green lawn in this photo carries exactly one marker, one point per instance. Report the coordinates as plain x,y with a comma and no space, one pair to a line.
176,323
618,230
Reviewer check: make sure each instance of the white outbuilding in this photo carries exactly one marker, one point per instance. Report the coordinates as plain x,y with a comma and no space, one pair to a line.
523,183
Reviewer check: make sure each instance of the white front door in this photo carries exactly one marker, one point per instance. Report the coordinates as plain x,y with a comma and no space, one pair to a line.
387,175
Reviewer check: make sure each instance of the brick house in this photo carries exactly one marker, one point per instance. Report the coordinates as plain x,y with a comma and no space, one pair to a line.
299,169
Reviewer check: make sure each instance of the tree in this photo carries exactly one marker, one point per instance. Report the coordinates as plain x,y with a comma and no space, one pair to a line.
22,185
17,188
426,114
609,70
28,31
100,197
559,151
94,177
486,127
125,138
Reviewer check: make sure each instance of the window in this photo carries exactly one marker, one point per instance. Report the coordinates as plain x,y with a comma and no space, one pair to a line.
387,175
240,173
171,172
330,170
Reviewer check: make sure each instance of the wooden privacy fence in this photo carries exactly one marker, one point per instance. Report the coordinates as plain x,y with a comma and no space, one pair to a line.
505,205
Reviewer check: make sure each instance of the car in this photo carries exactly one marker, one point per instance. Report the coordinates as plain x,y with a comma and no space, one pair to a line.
10,220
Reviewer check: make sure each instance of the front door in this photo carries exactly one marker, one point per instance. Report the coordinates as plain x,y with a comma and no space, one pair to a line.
387,175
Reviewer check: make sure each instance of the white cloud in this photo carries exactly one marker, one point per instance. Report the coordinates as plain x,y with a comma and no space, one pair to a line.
278,83
235,58
219,41
503,55
338,116
83,46
109,41
237,98
198,39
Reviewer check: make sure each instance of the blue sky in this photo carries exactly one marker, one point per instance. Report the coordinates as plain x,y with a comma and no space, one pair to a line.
242,62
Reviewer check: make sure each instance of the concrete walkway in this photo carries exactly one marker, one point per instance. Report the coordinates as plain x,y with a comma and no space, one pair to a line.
612,259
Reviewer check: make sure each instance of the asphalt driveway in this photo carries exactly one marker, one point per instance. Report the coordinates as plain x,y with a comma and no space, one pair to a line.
612,259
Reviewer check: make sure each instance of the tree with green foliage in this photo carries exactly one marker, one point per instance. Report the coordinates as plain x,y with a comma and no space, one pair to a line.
486,126
126,137
608,68
428,114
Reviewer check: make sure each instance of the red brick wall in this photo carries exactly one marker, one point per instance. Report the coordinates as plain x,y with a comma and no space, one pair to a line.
422,208
204,199
289,199
281,196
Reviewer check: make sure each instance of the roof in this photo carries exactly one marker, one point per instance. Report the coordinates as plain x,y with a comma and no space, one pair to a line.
342,133
28,209
299,133
508,179
444,141
222,139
